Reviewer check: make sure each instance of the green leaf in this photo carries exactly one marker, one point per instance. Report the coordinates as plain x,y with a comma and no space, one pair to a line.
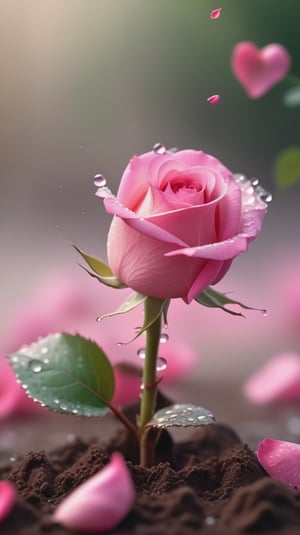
292,97
287,167
131,302
181,415
214,299
103,272
66,373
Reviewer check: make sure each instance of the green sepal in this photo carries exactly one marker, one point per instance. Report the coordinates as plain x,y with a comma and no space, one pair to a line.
212,298
102,272
66,373
155,308
131,302
287,167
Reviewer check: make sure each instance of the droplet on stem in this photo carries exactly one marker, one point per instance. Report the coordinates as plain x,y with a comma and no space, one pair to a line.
159,148
164,337
213,99
141,353
215,13
161,364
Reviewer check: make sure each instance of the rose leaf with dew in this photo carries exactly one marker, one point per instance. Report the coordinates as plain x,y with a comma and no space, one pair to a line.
182,415
66,373
287,167
101,271
211,298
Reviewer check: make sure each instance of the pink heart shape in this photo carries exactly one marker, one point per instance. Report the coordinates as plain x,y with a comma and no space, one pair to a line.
259,70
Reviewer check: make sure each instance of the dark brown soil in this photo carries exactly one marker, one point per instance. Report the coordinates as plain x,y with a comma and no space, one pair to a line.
209,485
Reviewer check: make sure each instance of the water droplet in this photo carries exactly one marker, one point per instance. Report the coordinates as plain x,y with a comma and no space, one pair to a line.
210,520
99,181
71,437
159,148
142,387
239,177
63,407
213,99
44,350
56,401
164,337
74,411
46,361
264,195
12,459
161,364
15,359
35,366
99,319
141,353
215,13
265,313
254,181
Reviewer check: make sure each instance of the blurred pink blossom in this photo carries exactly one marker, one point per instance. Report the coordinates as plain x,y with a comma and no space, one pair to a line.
102,502
72,304
277,380
281,460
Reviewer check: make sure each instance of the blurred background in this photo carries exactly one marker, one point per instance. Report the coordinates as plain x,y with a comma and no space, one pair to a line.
85,85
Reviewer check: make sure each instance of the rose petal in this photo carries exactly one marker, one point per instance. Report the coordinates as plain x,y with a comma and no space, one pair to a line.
102,502
281,460
7,499
259,70
278,380
223,250
140,224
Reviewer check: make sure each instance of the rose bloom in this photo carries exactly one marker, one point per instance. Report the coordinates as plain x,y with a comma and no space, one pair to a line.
180,220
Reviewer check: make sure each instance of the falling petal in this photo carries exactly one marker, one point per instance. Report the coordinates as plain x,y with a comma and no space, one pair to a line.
281,460
101,503
215,13
213,99
7,499
277,380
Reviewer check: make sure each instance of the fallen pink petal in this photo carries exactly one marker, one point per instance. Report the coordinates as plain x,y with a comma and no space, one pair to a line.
277,380
281,460
213,99
102,502
259,70
215,13
7,499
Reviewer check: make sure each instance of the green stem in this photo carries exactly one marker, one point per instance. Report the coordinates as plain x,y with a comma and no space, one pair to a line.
148,400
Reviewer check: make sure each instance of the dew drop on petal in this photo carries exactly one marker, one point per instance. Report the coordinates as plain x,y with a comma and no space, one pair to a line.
161,364
99,181
254,181
215,13
44,350
264,195
164,337
159,148
213,99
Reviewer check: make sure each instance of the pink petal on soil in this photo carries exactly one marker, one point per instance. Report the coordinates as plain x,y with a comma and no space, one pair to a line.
101,503
278,380
214,99
7,499
215,13
281,460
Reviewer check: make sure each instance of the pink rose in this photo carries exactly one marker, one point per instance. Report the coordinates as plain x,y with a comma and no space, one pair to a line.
180,220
